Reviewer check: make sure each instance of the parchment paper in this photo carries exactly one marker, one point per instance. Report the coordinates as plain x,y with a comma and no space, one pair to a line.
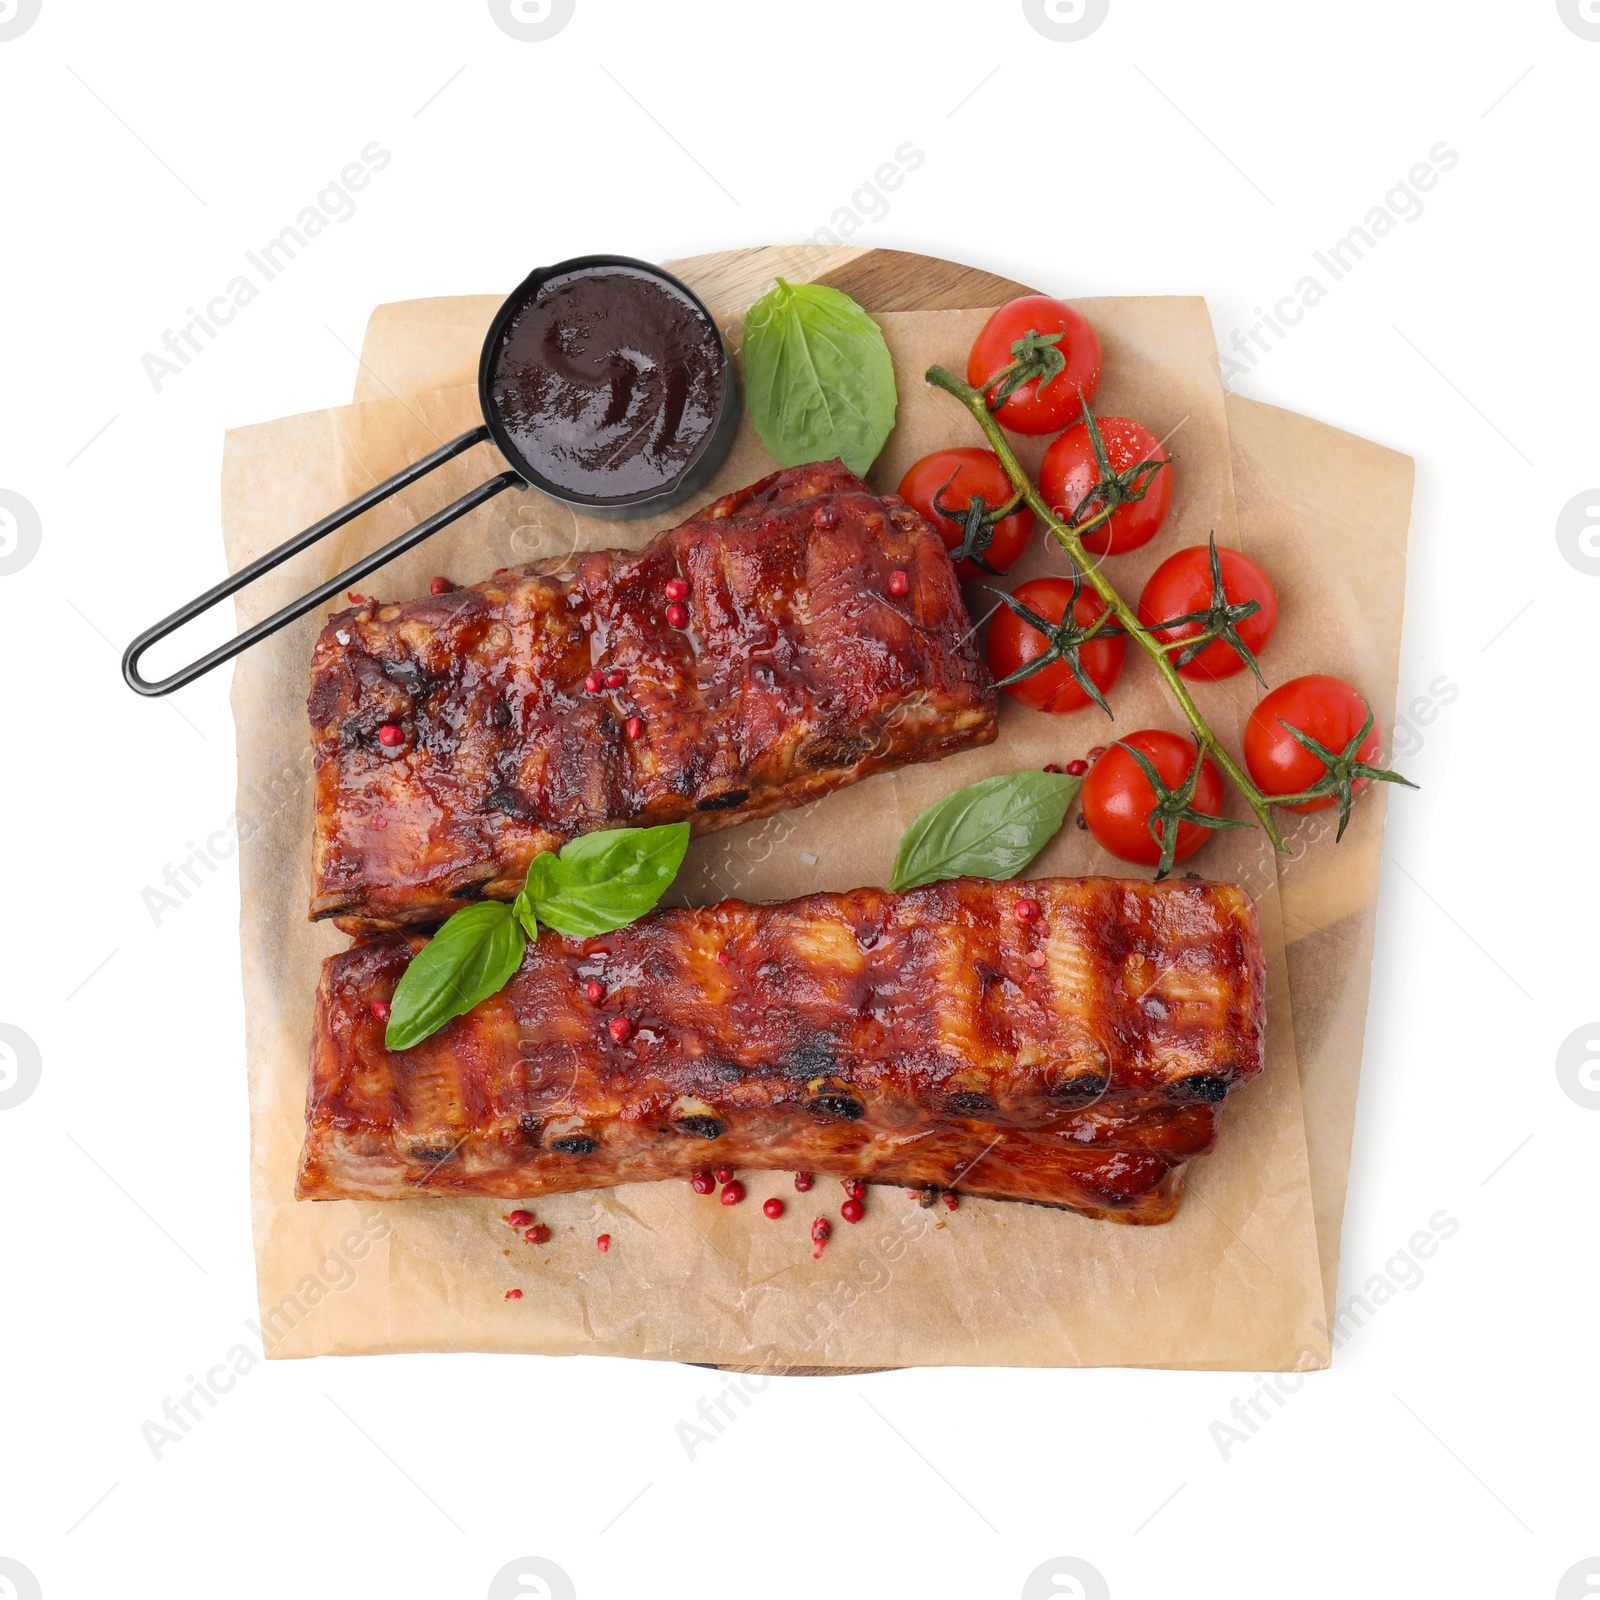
1327,515
1235,1281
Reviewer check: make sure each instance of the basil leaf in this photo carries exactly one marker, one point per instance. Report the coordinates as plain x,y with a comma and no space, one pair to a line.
522,908
470,958
817,376
602,881
991,829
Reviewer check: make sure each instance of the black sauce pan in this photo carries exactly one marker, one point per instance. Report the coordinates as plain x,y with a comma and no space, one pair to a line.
694,477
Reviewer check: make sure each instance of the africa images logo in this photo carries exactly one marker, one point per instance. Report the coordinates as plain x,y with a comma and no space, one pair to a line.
16,17
20,532
1066,21
532,21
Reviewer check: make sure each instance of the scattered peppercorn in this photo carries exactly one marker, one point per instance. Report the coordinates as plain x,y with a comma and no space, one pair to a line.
390,734
1037,958
538,1234
677,615
677,588
1052,767
732,1193
633,727
854,1188
772,1208
803,1181
852,1211
899,583
603,1243
595,682
825,517
354,598
380,1009
821,1232
952,1202
1077,769
520,1219
1026,910
1096,752
619,1028
513,1294
441,586
723,958
615,678
595,989
723,1174
702,1182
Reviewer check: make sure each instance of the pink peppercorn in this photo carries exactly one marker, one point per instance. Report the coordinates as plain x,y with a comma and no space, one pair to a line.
732,1193
619,1028
633,727
677,588
678,616
1026,910
772,1208
595,682
390,734
615,678
702,1183
594,989
520,1219
603,1243
380,1009
513,1294
441,586
852,1211
899,582
1077,768
803,1181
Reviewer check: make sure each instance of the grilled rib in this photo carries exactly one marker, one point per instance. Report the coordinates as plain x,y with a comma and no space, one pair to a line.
799,671
923,1039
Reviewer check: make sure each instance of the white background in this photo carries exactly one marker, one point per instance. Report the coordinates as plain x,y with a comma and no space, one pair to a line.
1182,148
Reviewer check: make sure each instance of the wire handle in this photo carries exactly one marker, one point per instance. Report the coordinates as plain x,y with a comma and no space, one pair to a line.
324,592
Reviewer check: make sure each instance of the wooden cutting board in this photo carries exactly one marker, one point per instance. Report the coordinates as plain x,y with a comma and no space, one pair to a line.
878,280
1289,476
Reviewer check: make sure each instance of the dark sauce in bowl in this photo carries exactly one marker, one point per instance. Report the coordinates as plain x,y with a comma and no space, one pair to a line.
608,384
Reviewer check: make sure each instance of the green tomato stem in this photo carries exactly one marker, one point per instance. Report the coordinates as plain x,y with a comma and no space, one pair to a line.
1070,537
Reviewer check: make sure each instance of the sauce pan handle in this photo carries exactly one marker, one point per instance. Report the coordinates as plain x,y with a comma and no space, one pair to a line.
324,592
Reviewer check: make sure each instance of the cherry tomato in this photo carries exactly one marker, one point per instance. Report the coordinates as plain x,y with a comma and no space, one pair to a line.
1330,711
1117,798
1035,407
1013,643
1182,583
968,472
1069,472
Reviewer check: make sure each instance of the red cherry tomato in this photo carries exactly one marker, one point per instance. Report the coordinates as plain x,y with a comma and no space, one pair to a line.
1035,407
1117,798
955,477
1013,643
1326,708
1182,583
1069,472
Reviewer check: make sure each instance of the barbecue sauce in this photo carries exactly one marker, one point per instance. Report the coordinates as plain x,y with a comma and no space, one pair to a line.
609,383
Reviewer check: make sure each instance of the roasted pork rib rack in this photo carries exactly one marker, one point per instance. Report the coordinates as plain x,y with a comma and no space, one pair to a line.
926,1039
822,638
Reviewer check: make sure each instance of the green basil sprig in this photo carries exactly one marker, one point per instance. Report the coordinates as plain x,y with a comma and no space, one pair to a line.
817,377
991,829
598,882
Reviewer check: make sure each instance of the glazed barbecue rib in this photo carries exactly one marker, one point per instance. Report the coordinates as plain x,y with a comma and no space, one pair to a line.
799,670
922,1039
